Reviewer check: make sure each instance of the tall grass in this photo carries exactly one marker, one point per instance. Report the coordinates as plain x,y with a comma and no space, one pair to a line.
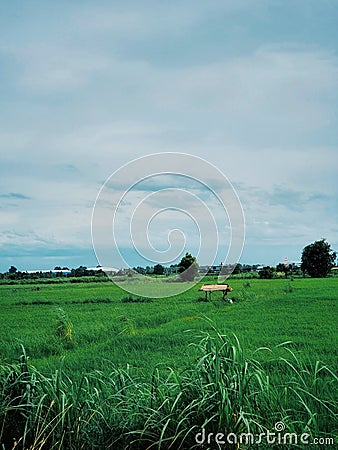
64,329
224,392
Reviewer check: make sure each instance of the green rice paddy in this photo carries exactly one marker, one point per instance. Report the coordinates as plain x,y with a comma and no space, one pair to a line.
98,328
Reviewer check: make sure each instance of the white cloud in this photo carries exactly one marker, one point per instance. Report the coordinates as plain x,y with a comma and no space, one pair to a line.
49,66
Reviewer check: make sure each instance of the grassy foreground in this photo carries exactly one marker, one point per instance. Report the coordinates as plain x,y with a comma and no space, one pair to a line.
108,372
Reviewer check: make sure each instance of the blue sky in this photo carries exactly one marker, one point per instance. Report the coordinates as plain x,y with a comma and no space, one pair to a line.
250,86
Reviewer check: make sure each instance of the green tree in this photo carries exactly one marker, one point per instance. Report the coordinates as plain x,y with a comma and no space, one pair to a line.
237,269
283,268
12,269
158,269
318,259
266,273
188,267
79,272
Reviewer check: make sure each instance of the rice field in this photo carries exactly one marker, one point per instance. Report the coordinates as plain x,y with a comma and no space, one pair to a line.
87,365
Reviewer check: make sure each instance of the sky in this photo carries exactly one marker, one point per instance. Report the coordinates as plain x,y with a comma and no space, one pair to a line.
86,87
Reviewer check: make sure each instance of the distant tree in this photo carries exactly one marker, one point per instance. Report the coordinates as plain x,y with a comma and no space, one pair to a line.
172,269
266,273
12,269
295,269
286,269
139,269
79,272
57,268
318,259
158,269
237,269
188,267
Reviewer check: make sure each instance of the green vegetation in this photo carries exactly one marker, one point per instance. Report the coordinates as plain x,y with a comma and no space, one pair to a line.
224,390
266,312
188,267
106,368
318,259
267,273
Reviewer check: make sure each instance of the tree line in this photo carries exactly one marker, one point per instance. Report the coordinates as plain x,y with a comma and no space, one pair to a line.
316,261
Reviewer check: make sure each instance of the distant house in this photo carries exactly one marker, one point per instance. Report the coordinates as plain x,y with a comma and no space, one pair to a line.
210,269
53,272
